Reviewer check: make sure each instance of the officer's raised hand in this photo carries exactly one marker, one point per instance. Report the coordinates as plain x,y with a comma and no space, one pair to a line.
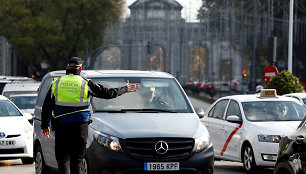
133,87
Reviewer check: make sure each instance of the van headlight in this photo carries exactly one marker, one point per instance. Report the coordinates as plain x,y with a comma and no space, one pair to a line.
269,138
107,141
202,143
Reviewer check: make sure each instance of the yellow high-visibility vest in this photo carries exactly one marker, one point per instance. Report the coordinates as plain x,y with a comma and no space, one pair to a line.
70,90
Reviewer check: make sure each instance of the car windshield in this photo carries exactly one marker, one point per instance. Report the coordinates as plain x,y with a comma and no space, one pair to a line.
304,100
153,95
24,102
274,111
8,109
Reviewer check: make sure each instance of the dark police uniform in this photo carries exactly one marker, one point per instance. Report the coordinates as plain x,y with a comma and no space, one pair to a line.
68,99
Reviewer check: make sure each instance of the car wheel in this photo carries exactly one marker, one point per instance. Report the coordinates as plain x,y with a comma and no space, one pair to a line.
40,165
283,168
84,167
27,160
248,159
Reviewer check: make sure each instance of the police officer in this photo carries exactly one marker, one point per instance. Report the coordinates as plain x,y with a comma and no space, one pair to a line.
68,98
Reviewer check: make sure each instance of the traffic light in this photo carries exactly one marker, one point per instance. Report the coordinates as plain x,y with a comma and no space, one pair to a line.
244,74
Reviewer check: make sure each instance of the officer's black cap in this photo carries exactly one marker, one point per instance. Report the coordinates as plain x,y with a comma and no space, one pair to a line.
75,61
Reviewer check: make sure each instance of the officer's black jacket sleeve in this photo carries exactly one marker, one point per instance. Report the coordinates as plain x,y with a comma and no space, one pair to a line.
99,91
46,113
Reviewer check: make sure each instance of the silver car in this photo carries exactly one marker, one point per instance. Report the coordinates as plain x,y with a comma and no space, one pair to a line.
153,129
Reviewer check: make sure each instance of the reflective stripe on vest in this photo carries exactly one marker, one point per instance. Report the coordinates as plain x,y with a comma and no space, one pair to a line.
71,113
70,90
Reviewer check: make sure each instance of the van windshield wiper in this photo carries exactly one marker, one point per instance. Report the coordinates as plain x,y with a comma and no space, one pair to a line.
155,110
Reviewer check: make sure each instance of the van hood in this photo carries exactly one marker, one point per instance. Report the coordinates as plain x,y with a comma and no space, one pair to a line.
276,127
136,125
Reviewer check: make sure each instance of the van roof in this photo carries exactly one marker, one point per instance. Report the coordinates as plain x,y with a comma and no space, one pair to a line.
112,73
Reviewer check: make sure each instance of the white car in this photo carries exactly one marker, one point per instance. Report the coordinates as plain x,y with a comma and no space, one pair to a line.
248,128
299,96
25,102
16,133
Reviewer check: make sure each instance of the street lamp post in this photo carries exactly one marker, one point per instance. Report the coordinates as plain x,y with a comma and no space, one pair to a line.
290,36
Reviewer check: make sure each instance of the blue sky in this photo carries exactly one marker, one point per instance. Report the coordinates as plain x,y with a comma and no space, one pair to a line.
189,11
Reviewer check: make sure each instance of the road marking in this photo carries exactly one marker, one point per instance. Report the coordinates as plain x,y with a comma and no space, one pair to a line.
229,139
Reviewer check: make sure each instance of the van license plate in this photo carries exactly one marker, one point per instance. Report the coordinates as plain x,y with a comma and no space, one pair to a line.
161,166
7,143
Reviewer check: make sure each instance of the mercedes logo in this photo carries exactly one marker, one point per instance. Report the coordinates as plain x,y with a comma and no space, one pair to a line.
2,134
161,147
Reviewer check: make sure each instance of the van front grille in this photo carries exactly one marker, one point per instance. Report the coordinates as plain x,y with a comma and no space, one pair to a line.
173,148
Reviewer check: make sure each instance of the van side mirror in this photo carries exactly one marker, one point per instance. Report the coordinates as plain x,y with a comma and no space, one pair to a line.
234,119
199,112
300,139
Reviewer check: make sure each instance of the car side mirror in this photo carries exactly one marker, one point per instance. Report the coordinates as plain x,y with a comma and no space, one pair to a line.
199,112
28,116
300,139
234,119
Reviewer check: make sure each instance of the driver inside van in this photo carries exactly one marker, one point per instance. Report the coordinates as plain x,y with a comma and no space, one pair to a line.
149,97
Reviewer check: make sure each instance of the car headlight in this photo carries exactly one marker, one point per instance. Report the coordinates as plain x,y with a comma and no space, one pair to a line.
269,138
202,143
107,141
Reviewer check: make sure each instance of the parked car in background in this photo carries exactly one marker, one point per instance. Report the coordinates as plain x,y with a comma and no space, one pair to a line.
16,133
128,134
25,102
299,96
20,88
291,157
248,128
238,85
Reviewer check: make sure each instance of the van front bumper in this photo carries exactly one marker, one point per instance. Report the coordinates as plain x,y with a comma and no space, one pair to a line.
104,160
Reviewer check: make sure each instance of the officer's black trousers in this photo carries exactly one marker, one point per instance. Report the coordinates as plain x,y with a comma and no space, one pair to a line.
70,145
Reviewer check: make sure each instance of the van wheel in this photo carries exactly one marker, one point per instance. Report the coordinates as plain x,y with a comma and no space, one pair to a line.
40,165
248,159
27,160
84,167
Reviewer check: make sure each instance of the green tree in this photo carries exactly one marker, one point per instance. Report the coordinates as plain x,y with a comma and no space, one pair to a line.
285,83
51,31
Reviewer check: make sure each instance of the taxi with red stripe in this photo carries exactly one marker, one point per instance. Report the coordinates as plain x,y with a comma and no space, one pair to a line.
248,128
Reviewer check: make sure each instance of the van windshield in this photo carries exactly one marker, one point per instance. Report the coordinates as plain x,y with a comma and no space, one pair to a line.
154,94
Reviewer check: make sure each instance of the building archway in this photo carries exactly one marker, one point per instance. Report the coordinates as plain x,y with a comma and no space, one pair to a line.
109,59
198,63
155,59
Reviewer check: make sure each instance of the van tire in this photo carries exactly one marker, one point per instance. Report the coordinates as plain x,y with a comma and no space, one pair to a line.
40,165
27,160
